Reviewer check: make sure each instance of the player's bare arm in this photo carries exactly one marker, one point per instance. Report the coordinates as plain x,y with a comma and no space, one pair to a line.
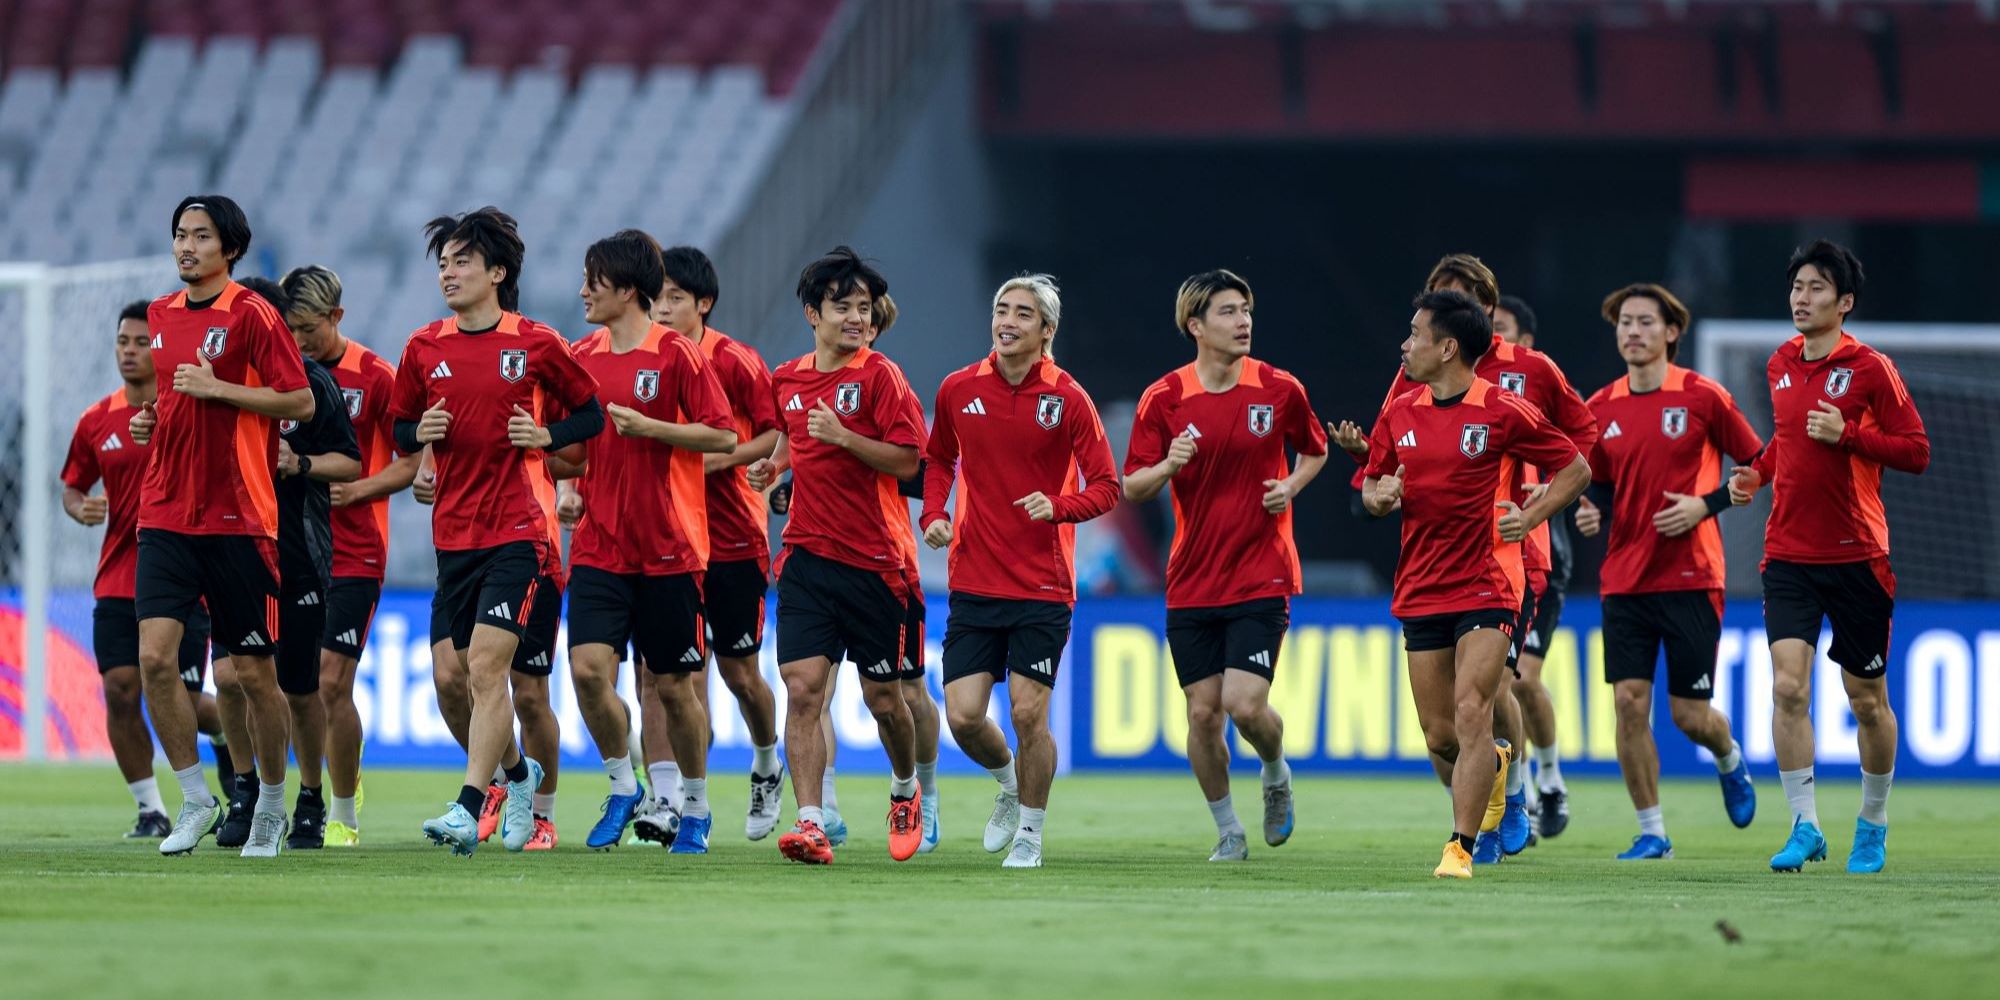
394,478
200,382
694,437
86,509
895,460
742,453
1516,521
1146,483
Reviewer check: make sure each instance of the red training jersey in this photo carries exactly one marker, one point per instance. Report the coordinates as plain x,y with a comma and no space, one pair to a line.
1227,549
738,521
1649,444
490,493
211,462
1826,499
361,530
1462,458
842,509
1006,441
102,450
645,502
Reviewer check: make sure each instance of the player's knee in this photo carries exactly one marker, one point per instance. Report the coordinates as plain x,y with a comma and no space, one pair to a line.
884,700
121,693
1634,703
1690,717
739,676
1472,711
964,719
1868,706
1030,719
1440,738
1205,718
1791,695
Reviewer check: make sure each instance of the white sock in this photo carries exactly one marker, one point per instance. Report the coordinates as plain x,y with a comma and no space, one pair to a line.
194,787
903,788
146,792
1875,797
1724,765
666,777
1549,770
271,798
620,770
1799,793
827,798
927,777
499,775
764,760
697,797
1277,772
1653,821
1517,776
545,805
1004,774
1224,812
811,814
1031,823
342,811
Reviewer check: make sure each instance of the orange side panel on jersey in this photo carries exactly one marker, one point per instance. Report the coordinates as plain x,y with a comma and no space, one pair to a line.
1290,549
1180,525
1507,555
383,449
895,518
961,515
1867,478
1066,533
541,484
687,499
1708,534
253,465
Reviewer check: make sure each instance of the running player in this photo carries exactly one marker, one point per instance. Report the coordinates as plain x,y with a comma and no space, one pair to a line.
360,528
1023,433
641,545
842,589
1217,429
236,373
1449,455
102,449
477,387
1664,430
1840,412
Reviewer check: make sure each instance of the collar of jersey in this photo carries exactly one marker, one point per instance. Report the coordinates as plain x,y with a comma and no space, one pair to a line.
1045,370
510,323
1253,376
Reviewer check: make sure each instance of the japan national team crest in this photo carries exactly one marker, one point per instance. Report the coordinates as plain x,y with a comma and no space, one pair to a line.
213,343
1514,382
353,397
513,364
1261,416
287,426
1837,382
1048,411
1472,440
1674,421
646,384
847,398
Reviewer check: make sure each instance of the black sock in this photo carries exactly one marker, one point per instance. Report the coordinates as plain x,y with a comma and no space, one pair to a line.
309,796
1463,841
222,763
246,784
471,799
519,772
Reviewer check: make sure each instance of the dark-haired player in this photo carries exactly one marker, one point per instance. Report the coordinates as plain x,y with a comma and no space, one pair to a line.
1217,430
208,514
1448,455
102,450
842,589
1664,430
477,387
1839,413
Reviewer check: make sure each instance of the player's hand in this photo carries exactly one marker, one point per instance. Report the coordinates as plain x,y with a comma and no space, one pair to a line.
1825,424
198,380
92,511
1589,520
424,487
781,499
569,509
824,425
433,424
938,535
1513,523
1390,488
1038,505
142,423
523,432
1278,495
288,460
1743,484
1179,454
760,473
342,494
1535,492
1349,436
627,421
1680,515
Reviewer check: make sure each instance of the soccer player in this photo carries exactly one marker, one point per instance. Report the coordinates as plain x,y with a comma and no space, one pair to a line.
476,387
641,546
842,589
102,449
1449,456
1840,413
1664,430
1019,433
208,510
1217,430
360,527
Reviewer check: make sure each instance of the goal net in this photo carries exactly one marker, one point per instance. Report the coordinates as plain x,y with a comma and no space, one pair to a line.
1944,526
56,330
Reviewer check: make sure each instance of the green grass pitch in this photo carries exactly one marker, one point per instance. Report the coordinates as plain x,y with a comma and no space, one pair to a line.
1126,907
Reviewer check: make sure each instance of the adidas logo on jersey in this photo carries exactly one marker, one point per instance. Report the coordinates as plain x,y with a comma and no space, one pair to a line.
111,443
443,370
1701,683
502,610
1192,432
255,638
309,599
692,655
1784,382
1261,658
794,404
746,642
156,343
977,407
1612,431
1408,440
348,637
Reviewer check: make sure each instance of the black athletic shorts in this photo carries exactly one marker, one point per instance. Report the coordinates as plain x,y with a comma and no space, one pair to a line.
1687,622
495,586
997,635
350,610
831,609
237,575
1857,598
733,595
1532,586
1541,632
660,616
1244,636
1425,633
534,654
114,633
914,637
302,620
